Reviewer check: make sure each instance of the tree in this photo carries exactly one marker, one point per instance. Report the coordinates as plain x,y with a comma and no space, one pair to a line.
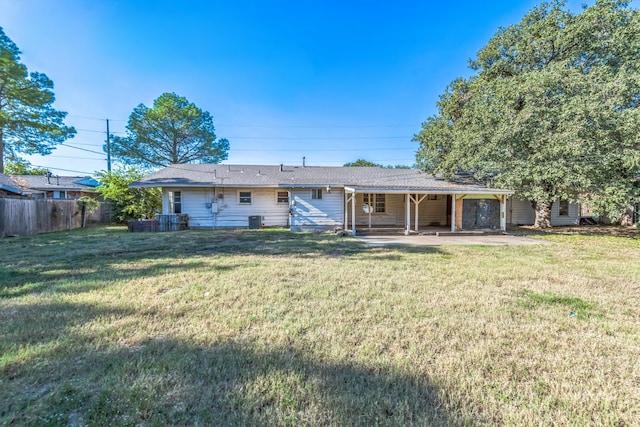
551,111
174,131
363,162
28,122
22,167
128,203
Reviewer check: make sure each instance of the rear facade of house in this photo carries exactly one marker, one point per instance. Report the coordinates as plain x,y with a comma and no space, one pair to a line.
325,198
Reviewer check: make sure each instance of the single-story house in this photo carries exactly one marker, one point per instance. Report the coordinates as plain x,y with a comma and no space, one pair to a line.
57,187
9,187
324,198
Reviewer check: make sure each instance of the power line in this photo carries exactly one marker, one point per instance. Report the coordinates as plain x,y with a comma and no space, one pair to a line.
97,131
73,157
294,150
317,127
330,138
94,118
60,169
321,126
83,149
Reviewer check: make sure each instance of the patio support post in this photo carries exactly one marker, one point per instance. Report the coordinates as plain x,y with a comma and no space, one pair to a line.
453,213
408,212
346,210
417,205
353,213
371,204
503,213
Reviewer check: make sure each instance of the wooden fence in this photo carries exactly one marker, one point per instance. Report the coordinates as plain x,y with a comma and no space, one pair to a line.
21,217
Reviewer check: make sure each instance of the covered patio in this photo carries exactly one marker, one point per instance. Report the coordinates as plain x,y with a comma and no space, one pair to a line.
424,210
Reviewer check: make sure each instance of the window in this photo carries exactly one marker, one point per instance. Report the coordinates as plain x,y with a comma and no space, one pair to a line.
175,202
432,197
59,194
377,202
282,197
563,208
244,197
380,203
316,193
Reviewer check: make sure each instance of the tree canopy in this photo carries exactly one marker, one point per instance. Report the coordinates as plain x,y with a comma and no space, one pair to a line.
23,167
551,110
28,122
128,203
174,131
363,162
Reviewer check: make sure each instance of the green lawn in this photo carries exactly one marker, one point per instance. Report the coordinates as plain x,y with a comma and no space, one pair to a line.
266,327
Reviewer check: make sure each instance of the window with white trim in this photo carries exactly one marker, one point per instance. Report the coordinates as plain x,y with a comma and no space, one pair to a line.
175,202
282,197
376,202
244,197
316,193
563,208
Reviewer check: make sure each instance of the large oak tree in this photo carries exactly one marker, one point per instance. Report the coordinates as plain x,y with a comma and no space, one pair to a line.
174,131
551,111
28,122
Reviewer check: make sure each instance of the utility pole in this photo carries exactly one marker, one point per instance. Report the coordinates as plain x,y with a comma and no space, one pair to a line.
108,148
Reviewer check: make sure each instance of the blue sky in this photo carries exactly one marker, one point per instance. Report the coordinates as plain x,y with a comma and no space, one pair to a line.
333,81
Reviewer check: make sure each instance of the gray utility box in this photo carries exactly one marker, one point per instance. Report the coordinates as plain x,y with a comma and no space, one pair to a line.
255,221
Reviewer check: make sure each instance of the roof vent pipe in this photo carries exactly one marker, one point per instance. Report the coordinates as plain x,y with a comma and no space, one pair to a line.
281,167
304,165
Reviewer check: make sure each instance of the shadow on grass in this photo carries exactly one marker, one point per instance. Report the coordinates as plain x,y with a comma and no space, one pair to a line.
80,261
169,382
578,230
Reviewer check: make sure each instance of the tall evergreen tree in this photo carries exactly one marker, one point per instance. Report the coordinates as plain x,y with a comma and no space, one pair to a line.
174,131
28,122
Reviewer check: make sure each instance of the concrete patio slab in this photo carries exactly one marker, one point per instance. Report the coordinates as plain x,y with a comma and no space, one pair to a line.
430,240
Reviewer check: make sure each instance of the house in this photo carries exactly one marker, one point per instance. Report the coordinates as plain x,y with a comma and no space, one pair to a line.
57,187
9,187
324,198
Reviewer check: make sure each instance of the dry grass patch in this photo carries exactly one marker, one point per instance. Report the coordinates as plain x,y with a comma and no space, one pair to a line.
271,327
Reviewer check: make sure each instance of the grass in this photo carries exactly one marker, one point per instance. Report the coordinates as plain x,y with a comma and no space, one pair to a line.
268,327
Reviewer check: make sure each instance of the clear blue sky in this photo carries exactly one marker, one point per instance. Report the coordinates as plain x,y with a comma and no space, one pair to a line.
330,80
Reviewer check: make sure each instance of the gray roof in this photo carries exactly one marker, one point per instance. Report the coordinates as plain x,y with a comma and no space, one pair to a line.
358,178
56,183
8,184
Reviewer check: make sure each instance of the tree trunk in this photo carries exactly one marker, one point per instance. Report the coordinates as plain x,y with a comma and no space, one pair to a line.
543,214
626,219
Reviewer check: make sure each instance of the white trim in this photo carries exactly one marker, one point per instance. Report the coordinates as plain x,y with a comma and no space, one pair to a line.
250,197
288,197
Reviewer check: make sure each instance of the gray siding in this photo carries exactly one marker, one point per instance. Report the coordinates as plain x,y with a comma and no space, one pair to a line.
433,212
520,212
198,203
430,212
263,203
310,214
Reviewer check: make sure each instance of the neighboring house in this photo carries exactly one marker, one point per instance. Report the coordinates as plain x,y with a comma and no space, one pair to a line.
9,187
57,187
520,212
325,198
